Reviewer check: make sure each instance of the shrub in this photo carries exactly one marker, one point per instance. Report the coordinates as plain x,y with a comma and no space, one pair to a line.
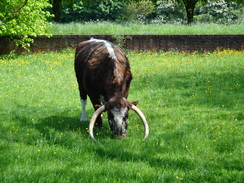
96,10
203,18
219,12
169,11
138,10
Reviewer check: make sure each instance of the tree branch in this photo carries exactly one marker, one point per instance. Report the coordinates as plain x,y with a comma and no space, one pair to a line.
26,1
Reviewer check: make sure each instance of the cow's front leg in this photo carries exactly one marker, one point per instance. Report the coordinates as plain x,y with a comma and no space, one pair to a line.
96,103
83,112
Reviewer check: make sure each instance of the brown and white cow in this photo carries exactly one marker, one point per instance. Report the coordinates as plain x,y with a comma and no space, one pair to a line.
103,73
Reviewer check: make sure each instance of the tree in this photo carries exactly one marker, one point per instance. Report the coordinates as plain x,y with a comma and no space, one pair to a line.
219,12
57,5
190,6
95,10
56,9
21,19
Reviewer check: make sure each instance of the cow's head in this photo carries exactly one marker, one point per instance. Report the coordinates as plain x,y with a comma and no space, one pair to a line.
117,109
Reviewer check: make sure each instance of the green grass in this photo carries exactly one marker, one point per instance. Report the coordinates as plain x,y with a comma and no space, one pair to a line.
193,104
137,28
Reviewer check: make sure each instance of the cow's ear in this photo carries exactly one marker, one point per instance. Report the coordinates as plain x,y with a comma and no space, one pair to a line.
135,102
97,106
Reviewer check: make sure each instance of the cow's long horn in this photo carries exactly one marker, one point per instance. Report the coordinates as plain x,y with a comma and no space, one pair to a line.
141,115
93,119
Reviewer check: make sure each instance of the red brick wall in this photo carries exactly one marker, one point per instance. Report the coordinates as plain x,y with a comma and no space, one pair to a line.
136,42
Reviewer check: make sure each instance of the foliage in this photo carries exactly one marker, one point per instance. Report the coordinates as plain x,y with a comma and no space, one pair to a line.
95,10
120,40
219,12
170,11
160,11
23,18
138,10
193,104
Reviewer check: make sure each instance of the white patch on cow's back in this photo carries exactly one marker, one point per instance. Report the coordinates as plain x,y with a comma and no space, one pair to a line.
108,46
117,73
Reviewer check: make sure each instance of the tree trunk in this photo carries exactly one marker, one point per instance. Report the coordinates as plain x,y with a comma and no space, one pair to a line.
189,13
57,10
190,6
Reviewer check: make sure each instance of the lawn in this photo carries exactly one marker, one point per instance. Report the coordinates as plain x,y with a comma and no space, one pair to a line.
193,103
140,28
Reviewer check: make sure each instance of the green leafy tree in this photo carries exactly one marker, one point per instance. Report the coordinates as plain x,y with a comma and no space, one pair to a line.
94,10
138,10
169,12
191,4
56,9
133,9
21,19
73,10
219,12
190,7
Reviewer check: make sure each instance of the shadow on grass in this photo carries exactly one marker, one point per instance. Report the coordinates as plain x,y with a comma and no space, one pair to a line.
31,116
30,121
65,124
61,124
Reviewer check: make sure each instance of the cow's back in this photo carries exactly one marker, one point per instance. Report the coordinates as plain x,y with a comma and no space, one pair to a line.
99,69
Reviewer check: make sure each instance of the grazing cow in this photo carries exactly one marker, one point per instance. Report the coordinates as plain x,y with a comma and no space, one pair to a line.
103,73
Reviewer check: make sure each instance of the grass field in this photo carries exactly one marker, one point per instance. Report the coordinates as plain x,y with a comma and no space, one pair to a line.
138,28
193,104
